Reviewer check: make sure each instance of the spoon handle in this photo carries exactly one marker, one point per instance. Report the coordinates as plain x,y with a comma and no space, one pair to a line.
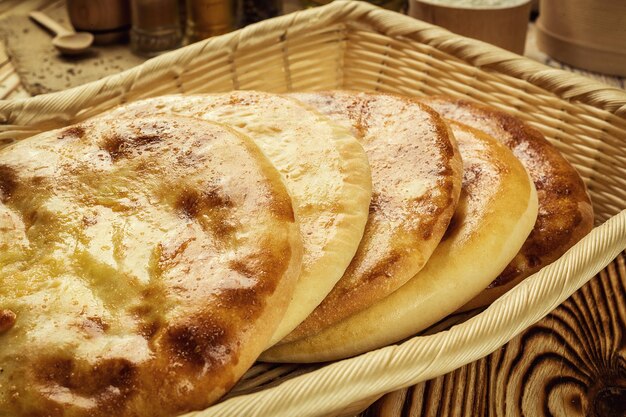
52,25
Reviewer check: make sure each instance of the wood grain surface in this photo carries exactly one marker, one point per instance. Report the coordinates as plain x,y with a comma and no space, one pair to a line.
10,84
571,363
40,66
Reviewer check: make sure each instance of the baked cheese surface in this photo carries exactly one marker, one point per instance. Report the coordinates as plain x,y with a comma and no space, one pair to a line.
144,264
565,210
324,167
496,212
416,182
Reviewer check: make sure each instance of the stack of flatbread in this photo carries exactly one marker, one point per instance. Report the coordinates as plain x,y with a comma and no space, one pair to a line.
149,256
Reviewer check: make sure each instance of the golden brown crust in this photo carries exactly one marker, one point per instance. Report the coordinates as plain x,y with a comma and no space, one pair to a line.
565,211
416,181
159,257
324,168
7,320
496,211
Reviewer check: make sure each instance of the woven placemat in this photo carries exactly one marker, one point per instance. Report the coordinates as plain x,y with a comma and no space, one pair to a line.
42,69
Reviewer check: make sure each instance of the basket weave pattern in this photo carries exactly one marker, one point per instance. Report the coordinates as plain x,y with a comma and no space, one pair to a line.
353,45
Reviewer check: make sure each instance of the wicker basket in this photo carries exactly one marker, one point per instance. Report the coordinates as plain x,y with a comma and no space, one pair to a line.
356,46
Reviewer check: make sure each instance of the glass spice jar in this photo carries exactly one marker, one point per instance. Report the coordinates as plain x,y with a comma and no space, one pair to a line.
155,26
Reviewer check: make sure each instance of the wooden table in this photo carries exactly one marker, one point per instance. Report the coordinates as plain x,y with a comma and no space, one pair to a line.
573,362
10,86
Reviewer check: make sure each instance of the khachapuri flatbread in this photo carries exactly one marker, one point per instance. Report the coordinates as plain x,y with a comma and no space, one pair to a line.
323,166
416,180
565,210
496,212
144,265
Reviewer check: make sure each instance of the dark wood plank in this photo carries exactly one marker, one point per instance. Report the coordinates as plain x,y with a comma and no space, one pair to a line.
571,363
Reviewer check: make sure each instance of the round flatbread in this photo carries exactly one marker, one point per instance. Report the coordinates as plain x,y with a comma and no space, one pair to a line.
416,181
495,214
565,210
323,166
144,265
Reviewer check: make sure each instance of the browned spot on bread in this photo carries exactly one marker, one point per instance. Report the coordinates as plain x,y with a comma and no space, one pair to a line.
114,145
383,269
246,299
234,99
89,221
374,203
57,370
472,176
7,320
114,384
243,267
425,204
38,180
8,182
150,328
30,217
117,373
259,268
120,147
188,203
192,202
94,326
201,344
263,266
167,257
426,229
223,228
110,382
144,140
76,131
146,313
211,208
283,209
142,310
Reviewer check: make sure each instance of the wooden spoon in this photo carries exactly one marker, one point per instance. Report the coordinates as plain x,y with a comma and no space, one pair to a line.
66,41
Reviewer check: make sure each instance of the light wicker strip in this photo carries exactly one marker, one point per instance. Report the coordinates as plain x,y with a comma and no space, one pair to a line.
354,45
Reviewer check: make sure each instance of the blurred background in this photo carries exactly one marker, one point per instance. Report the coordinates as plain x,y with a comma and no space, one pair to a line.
51,45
